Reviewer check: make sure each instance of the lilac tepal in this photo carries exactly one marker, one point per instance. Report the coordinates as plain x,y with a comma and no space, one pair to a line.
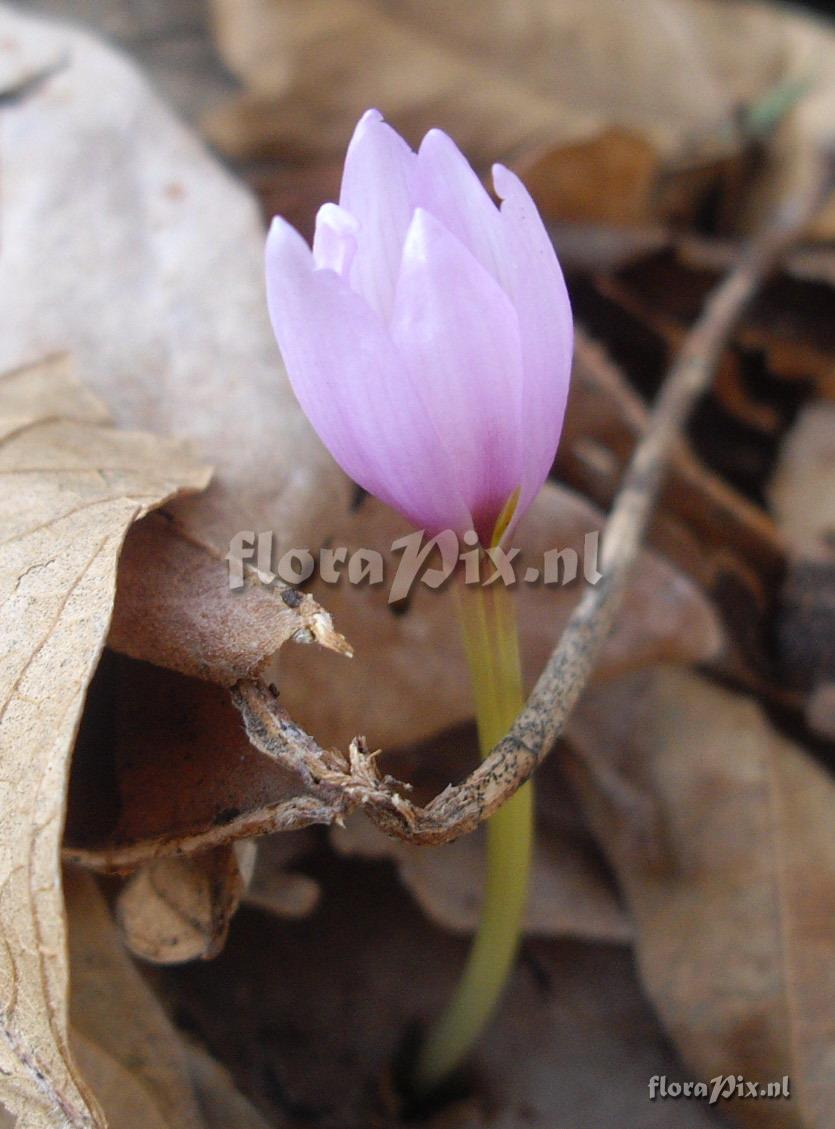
428,334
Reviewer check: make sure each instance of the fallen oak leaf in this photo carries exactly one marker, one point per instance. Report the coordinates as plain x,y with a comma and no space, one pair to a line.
71,488
181,341
590,90
119,1033
624,168
287,55
730,884
671,70
170,292
144,1072
159,351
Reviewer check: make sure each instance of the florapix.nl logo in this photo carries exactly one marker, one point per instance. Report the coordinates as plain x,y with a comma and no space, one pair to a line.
412,559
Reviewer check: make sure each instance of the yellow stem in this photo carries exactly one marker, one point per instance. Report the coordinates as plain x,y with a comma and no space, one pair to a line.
488,624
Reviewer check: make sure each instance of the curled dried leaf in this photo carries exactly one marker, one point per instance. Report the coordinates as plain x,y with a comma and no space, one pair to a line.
174,608
178,909
71,487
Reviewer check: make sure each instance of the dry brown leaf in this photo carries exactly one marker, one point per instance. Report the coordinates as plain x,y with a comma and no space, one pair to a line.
289,55
622,165
180,340
720,832
802,495
802,491
669,67
126,1047
143,1074
71,486
174,608
567,80
408,677
595,56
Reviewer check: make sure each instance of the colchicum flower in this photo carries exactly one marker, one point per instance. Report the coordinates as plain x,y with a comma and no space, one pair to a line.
428,334
428,338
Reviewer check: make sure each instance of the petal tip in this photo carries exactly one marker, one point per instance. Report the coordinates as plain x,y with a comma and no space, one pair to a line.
504,180
279,229
371,115
284,245
436,136
437,146
337,217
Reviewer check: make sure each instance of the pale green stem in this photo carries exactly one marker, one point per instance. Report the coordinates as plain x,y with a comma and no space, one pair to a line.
488,624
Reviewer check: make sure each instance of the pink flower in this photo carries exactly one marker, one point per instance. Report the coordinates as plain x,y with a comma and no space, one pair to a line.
428,335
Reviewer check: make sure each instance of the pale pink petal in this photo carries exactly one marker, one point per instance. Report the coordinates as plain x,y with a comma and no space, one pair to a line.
354,388
377,189
335,239
539,295
447,187
458,332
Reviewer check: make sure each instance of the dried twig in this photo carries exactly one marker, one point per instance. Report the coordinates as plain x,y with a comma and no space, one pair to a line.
333,784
